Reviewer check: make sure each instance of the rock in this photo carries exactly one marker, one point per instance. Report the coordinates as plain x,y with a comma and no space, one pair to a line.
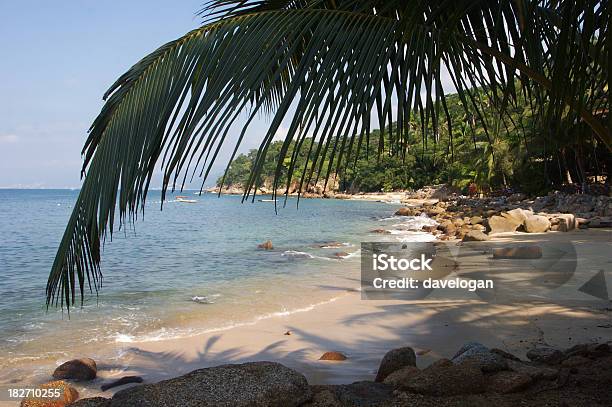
519,252
401,375
69,395
287,333
338,356
429,228
406,212
536,224
518,215
508,382
475,236
500,224
479,355
574,361
267,245
358,394
445,380
567,222
77,369
92,402
535,372
341,254
248,384
394,360
121,382
545,355
504,354
475,220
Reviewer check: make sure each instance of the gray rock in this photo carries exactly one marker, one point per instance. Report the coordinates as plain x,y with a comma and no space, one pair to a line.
394,360
536,224
479,355
546,355
77,369
248,384
447,380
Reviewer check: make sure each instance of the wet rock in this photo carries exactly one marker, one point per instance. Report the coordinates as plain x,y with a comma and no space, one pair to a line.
77,369
508,382
500,224
447,380
401,375
69,395
267,245
394,360
255,384
475,236
536,224
479,355
337,356
519,252
122,381
545,355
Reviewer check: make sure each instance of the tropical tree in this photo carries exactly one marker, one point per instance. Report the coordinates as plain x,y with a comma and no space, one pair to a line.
332,68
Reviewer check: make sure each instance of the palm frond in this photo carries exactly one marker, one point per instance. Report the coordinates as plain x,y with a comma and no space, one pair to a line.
340,63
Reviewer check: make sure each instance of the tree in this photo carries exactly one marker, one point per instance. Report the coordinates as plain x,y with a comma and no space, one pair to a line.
339,63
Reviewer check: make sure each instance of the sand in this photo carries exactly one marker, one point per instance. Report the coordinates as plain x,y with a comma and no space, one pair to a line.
365,329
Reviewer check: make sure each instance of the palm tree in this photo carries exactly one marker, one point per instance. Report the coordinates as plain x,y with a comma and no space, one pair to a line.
336,65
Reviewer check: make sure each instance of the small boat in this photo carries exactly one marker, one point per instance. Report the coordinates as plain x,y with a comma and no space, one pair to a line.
185,199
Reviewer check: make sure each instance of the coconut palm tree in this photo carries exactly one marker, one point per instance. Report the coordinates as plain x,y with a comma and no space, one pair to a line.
333,69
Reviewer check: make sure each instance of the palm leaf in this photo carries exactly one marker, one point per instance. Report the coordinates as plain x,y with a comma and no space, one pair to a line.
340,64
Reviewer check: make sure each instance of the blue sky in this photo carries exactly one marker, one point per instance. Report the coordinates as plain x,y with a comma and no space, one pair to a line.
57,60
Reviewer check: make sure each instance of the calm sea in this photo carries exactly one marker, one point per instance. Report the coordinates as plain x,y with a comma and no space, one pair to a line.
190,268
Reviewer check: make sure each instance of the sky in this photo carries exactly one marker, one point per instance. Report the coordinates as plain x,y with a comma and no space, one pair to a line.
58,58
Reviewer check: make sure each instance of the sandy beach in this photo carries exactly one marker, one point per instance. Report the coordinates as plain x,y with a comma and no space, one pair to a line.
365,329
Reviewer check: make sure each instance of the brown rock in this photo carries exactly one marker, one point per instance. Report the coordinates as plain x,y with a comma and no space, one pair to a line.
475,236
267,245
508,382
337,356
500,224
519,252
69,395
77,369
405,211
341,254
394,360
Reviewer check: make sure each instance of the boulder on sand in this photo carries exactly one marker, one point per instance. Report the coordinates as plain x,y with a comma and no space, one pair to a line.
69,395
536,224
338,356
501,224
475,236
256,384
518,215
77,369
394,360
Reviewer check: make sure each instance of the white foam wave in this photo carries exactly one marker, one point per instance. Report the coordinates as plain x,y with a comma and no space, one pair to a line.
294,254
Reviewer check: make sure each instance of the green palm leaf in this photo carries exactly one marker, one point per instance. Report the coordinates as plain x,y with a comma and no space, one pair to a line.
338,64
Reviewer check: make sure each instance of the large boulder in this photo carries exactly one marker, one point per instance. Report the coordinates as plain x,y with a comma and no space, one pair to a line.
69,395
518,215
479,355
77,369
337,356
475,236
394,360
406,212
249,384
536,224
501,224
447,380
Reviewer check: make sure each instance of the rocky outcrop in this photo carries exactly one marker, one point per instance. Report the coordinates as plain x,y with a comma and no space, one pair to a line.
77,369
394,360
248,384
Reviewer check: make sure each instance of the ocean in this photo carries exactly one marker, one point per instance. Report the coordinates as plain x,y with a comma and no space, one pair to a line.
189,269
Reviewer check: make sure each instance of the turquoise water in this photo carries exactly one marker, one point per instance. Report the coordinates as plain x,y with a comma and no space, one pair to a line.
186,269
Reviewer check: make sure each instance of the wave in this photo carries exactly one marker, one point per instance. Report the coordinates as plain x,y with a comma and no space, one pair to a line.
294,254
